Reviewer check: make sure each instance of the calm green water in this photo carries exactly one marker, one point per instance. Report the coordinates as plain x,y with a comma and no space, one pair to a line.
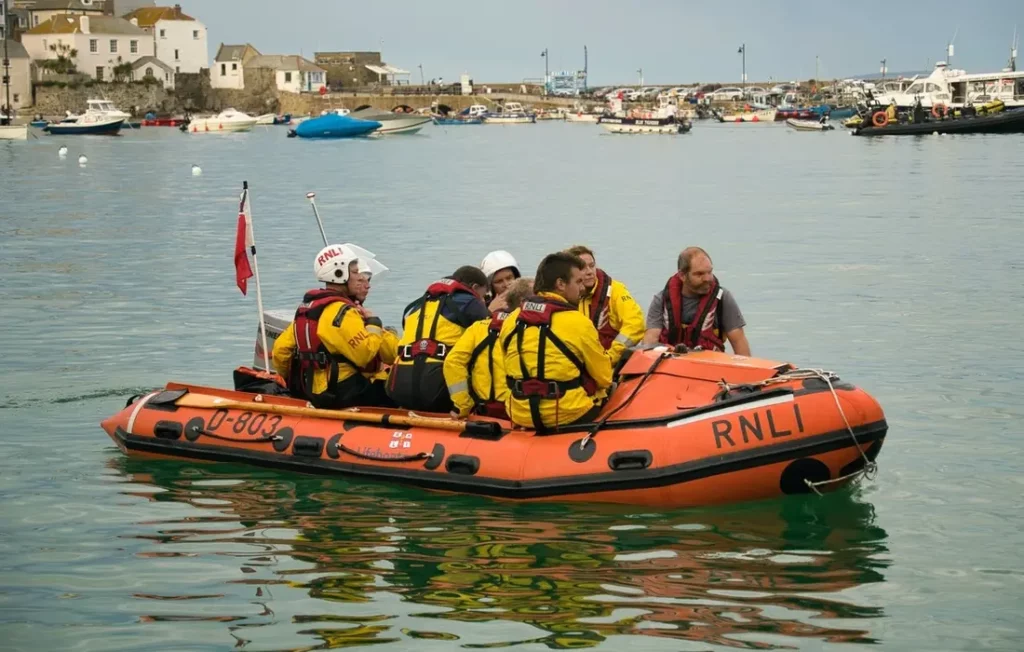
895,262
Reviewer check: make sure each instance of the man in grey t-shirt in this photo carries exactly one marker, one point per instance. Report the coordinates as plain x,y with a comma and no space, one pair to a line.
722,320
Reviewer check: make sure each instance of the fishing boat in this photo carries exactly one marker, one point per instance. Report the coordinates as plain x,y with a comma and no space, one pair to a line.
227,121
512,113
752,115
662,120
679,429
809,125
334,126
1006,122
392,123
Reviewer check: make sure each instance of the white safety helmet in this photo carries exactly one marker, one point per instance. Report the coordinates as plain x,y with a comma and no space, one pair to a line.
332,263
496,261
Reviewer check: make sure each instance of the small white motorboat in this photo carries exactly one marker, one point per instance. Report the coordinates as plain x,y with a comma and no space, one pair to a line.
392,122
760,115
227,121
512,113
580,116
266,119
809,125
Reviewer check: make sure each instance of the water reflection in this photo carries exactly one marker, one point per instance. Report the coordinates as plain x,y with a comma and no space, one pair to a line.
333,564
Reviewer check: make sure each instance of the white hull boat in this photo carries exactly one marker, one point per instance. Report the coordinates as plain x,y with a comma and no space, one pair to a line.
764,115
809,125
227,121
509,119
587,118
266,119
393,123
13,132
645,126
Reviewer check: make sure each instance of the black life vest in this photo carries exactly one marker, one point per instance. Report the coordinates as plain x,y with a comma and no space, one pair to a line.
599,315
487,344
537,312
705,330
310,353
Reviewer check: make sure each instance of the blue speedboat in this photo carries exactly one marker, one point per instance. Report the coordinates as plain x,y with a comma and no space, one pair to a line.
334,126
39,124
457,121
834,112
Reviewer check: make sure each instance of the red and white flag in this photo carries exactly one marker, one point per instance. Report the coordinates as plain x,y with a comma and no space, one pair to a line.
243,243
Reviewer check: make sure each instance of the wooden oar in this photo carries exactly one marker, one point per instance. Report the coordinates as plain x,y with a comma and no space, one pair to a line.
214,402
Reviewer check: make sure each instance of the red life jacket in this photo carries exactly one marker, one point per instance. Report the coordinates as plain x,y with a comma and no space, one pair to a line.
488,405
537,312
706,328
310,353
427,345
599,314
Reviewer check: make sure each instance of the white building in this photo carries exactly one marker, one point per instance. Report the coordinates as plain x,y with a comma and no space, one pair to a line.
293,73
228,70
102,42
21,75
153,68
179,39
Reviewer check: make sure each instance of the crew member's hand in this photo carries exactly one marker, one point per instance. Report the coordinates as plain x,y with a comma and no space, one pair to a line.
499,302
366,312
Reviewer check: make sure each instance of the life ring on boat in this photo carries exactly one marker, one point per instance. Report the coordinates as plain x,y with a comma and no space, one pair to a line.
940,111
880,119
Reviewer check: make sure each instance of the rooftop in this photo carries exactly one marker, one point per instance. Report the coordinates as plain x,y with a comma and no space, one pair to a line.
151,61
66,24
232,52
16,50
283,62
148,16
69,5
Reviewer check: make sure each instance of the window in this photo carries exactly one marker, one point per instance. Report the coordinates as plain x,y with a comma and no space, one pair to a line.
195,34
94,45
113,45
177,68
287,78
17,98
134,47
176,57
167,76
45,46
99,73
223,69
234,66
149,71
163,33
35,20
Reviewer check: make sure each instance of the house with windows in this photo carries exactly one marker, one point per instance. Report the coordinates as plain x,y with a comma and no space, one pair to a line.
292,73
99,43
228,70
41,11
153,68
21,75
179,39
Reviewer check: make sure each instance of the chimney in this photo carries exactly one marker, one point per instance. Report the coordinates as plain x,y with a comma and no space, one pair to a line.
134,21
177,11
84,24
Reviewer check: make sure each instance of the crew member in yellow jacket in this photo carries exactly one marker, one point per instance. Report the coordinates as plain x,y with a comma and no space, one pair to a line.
618,318
555,364
475,367
331,352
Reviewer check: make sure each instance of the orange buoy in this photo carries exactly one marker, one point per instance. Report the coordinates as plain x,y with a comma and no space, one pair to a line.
880,119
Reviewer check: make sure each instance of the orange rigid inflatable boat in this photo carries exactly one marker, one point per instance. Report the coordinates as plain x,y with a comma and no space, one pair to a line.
679,430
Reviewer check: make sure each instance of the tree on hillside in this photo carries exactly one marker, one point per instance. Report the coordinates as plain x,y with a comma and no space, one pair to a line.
64,64
122,71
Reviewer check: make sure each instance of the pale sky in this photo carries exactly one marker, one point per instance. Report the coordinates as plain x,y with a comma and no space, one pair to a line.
680,41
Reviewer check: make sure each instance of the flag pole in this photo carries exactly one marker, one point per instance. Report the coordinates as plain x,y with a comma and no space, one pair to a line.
311,196
256,274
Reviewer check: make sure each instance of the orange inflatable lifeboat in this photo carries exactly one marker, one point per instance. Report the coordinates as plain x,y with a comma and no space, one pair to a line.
678,430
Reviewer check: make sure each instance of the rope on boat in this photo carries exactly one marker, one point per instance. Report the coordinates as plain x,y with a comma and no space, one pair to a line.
870,468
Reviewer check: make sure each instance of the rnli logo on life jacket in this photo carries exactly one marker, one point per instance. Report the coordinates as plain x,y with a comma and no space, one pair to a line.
327,255
709,321
446,281
533,306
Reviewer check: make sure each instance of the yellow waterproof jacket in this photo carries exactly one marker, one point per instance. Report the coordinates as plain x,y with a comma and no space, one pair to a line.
579,336
353,338
475,367
616,315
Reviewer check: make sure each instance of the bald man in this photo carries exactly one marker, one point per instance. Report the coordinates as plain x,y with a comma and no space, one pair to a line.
695,310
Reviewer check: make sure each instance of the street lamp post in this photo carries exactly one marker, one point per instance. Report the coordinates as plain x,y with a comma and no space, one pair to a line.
743,51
